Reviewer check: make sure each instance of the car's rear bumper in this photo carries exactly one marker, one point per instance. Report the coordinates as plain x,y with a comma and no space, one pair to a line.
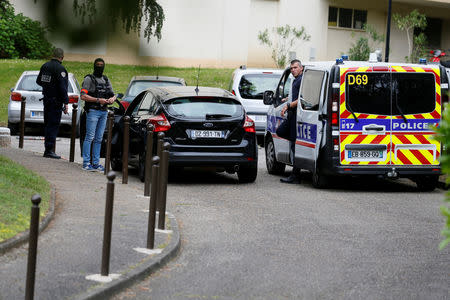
14,115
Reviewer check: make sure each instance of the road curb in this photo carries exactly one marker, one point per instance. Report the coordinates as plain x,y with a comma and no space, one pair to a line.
142,270
23,237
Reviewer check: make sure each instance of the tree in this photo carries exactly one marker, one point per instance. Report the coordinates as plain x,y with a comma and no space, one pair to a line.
408,23
282,40
365,44
99,17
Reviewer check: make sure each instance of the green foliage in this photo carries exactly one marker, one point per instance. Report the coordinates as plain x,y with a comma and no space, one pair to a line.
102,16
281,40
20,36
419,49
365,44
408,23
443,135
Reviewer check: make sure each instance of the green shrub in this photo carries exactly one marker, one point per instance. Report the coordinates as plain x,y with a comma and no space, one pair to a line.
22,37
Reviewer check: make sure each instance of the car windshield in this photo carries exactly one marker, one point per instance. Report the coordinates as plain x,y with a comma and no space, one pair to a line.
28,83
204,108
253,86
370,93
140,85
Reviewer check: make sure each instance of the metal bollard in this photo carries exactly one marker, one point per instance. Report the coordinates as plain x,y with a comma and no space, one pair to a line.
126,144
109,125
108,223
148,159
159,150
22,121
152,205
74,132
32,247
163,178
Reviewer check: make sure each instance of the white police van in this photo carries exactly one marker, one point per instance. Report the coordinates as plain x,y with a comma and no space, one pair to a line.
362,118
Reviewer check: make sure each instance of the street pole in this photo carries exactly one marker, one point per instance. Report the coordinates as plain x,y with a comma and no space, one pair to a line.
388,33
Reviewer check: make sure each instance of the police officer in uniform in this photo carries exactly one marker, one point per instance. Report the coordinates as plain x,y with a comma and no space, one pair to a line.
97,93
53,78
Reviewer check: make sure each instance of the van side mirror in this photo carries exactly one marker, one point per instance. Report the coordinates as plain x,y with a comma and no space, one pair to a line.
268,97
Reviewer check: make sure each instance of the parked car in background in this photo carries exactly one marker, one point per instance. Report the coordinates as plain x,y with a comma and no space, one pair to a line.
207,128
249,86
27,87
141,83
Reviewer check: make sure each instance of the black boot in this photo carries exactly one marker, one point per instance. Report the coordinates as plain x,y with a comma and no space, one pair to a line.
293,178
51,154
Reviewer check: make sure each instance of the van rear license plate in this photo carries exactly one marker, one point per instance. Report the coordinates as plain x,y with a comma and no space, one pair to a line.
206,134
354,154
37,114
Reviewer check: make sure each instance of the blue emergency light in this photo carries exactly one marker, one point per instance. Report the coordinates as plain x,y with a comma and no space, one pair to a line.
339,61
344,57
423,61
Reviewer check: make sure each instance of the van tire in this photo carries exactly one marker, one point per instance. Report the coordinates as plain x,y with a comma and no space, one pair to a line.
427,183
319,180
273,166
247,174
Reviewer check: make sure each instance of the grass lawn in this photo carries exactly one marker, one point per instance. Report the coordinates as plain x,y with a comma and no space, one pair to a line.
17,185
120,75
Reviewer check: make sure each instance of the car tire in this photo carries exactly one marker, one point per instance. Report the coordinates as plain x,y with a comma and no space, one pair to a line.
116,164
273,166
427,183
13,128
247,174
320,180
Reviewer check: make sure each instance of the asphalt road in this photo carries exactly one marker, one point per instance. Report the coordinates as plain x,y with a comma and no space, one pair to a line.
362,239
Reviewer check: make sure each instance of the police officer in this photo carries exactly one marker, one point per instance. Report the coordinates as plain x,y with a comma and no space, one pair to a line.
97,93
291,108
54,80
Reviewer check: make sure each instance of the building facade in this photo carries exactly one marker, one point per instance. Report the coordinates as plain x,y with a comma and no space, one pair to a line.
223,33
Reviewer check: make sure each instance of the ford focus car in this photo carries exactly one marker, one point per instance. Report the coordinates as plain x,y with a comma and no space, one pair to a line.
206,127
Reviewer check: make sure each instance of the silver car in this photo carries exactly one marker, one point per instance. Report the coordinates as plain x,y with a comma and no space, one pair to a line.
27,87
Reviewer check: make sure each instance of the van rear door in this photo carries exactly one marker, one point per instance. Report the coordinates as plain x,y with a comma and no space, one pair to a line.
365,116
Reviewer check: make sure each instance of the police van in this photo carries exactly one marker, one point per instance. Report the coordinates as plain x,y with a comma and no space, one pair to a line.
362,118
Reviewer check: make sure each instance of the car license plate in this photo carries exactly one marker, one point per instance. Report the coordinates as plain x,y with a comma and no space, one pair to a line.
37,114
207,134
364,154
258,118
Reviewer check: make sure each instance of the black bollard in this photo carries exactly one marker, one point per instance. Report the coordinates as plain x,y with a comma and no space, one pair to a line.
159,150
109,125
108,223
162,191
126,144
22,121
32,247
152,205
74,132
148,159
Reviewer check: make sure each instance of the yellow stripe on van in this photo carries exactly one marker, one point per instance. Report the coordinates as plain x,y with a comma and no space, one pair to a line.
418,69
398,69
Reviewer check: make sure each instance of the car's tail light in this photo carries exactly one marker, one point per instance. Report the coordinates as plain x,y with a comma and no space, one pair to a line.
160,123
125,104
233,92
249,124
73,99
15,96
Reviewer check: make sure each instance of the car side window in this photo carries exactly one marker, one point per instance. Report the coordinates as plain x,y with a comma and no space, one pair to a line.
147,105
283,88
311,89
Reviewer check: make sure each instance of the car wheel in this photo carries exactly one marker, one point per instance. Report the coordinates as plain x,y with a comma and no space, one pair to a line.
273,166
247,174
319,180
427,183
13,128
116,164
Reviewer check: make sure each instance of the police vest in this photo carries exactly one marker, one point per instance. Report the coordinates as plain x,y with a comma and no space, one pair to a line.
101,91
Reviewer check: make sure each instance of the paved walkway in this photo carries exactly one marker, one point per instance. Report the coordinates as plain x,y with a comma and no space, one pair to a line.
70,248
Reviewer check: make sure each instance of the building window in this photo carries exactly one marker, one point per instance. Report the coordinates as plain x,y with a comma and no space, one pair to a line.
347,18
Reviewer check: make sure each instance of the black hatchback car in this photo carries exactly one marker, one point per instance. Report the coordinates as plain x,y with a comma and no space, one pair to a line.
206,127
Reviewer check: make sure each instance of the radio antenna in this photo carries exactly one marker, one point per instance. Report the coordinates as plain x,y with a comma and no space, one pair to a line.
157,72
198,75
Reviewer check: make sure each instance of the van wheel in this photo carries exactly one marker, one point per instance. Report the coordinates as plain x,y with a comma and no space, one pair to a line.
319,180
247,174
427,183
273,166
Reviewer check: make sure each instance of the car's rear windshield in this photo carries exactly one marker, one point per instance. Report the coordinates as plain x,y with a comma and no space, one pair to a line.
204,108
28,83
138,86
253,86
371,93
